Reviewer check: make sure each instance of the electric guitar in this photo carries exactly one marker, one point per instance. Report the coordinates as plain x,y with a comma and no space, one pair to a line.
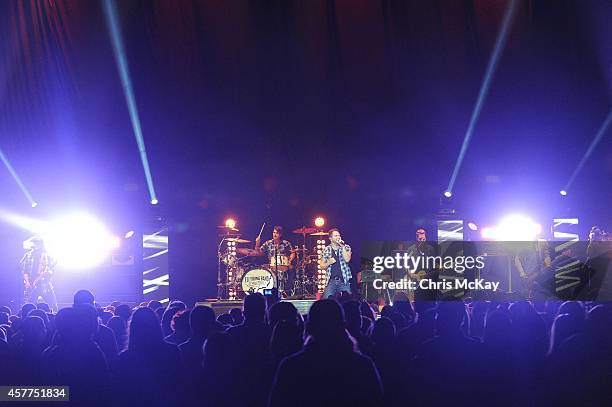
33,284
527,281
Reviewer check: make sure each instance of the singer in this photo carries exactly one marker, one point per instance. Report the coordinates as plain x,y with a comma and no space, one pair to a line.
335,258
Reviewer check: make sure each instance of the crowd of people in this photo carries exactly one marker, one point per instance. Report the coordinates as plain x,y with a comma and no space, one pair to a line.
344,352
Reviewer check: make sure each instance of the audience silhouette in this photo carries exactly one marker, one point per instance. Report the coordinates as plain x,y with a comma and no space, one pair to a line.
523,353
149,371
331,360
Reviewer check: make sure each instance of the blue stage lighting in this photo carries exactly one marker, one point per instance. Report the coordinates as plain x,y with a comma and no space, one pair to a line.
600,133
484,87
18,181
112,22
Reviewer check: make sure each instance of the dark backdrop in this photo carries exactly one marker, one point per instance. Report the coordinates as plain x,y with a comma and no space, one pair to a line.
277,111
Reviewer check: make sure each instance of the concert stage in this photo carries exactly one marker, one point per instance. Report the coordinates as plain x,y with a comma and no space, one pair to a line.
224,306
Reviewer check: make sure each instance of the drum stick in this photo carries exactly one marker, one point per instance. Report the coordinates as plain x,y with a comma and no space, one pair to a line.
262,228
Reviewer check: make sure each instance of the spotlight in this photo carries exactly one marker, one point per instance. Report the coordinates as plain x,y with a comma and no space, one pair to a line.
472,226
319,221
78,241
154,201
563,192
448,194
129,234
488,233
514,227
34,204
230,223
115,243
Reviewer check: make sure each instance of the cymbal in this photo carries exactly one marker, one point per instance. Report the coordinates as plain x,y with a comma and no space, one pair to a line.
237,240
319,234
230,229
304,230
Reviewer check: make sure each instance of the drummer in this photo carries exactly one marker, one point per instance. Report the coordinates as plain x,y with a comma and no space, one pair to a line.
278,251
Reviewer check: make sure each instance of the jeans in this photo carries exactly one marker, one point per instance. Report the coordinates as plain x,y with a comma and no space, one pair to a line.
334,287
44,290
286,281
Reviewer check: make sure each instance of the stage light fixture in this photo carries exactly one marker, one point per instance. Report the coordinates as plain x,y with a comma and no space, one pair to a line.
34,204
154,201
319,221
563,192
472,226
230,223
321,272
232,272
129,234
448,194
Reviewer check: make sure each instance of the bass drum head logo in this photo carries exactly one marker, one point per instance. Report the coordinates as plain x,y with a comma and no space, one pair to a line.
257,280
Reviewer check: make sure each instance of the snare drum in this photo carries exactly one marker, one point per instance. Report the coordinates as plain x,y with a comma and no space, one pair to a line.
257,279
280,263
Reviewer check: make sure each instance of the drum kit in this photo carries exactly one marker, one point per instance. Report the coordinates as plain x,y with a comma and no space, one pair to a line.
240,273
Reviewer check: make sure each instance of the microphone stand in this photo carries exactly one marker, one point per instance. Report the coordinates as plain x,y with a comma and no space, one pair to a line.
276,258
219,284
299,284
24,291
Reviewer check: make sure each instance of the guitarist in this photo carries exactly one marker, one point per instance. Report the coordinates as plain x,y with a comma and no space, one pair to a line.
37,269
529,263
422,248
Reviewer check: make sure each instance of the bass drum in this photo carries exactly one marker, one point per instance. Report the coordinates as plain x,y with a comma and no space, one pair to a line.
256,280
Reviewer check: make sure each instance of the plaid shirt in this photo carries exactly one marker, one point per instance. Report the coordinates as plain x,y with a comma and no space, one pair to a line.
270,248
346,270
45,264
